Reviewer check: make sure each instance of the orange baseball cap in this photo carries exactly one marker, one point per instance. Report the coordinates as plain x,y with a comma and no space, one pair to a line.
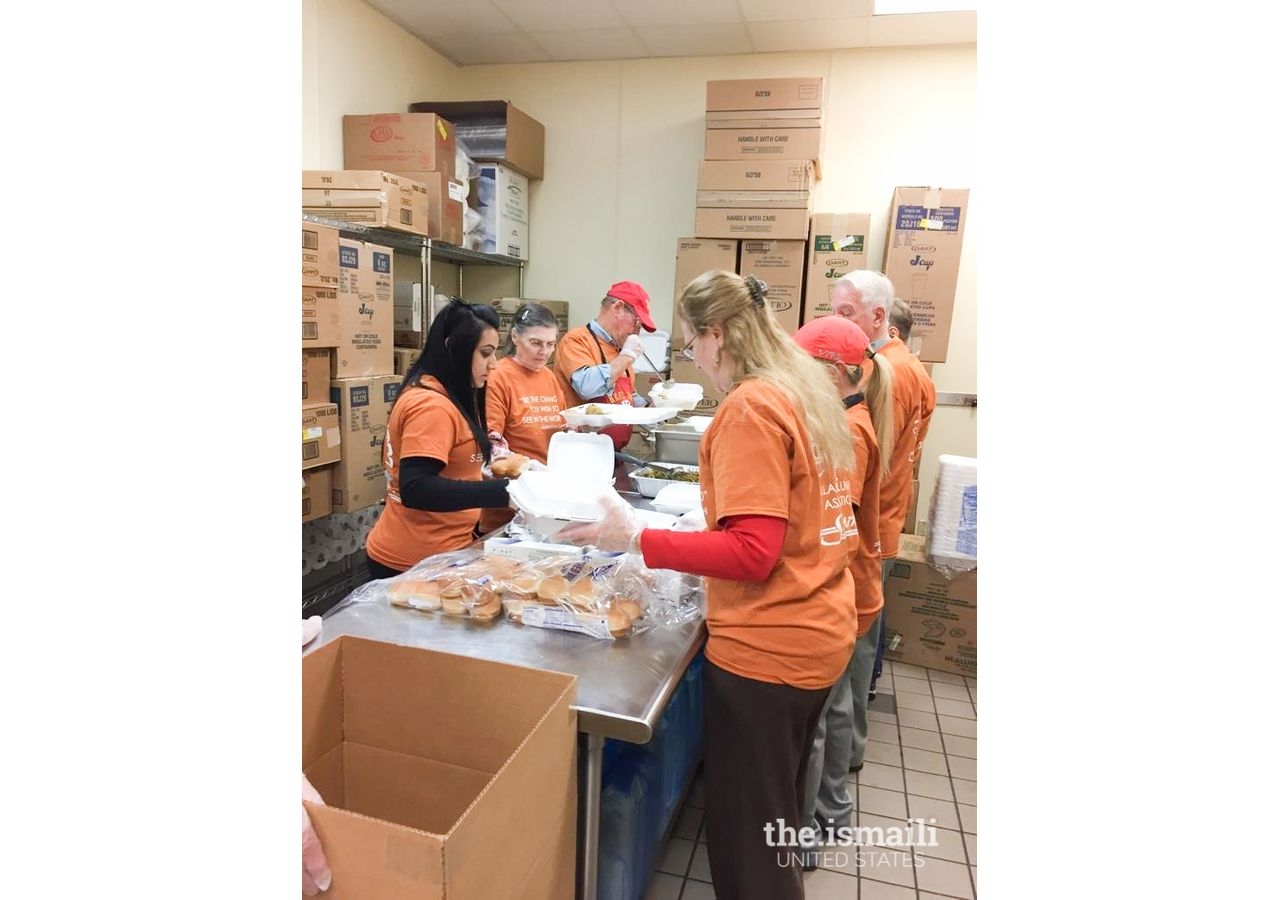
834,338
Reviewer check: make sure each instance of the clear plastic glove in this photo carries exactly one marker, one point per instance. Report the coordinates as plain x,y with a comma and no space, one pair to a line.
633,347
618,530
500,449
316,876
311,629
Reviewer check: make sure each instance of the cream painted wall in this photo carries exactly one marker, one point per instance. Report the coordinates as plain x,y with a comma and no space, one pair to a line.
355,60
623,143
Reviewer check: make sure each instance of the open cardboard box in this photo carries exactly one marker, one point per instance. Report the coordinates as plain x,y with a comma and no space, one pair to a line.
442,775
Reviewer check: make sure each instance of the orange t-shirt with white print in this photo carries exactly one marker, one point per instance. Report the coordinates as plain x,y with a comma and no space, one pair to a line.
913,393
581,347
424,422
797,627
524,407
865,492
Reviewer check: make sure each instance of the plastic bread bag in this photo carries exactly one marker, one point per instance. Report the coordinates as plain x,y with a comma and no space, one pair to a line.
581,594
462,583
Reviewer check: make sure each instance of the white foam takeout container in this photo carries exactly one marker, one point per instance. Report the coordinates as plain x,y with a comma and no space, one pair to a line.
678,498
681,395
579,474
616,414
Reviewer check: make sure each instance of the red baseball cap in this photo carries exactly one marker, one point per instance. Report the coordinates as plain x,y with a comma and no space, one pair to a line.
637,298
834,338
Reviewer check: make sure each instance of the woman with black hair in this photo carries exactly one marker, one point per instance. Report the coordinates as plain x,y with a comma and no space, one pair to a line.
437,443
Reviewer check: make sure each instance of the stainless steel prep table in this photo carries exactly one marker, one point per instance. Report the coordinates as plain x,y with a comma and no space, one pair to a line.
623,686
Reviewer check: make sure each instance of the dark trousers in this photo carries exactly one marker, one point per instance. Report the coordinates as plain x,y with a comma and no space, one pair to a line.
879,664
757,737
377,570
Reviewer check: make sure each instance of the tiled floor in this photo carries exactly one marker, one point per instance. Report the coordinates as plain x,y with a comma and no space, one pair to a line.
921,762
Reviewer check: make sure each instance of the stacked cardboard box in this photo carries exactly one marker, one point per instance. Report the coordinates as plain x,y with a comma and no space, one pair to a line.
837,246
420,147
922,259
366,306
930,620
501,197
494,131
364,406
321,438
763,138
369,197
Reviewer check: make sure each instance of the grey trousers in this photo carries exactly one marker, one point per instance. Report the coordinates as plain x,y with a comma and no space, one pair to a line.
841,738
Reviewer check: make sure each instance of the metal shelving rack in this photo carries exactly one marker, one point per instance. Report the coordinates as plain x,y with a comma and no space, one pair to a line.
325,587
426,249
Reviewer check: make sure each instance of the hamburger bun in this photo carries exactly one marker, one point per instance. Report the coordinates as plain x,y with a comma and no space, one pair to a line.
630,606
553,587
509,467
415,595
453,606
619,623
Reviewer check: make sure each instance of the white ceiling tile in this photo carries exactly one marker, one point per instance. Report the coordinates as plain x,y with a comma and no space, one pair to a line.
596,43
426,18
677,12
924,28
485,49
696,40
825,34
785,10
546,15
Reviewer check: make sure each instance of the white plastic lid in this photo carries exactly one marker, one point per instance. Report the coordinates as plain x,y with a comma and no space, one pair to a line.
584,455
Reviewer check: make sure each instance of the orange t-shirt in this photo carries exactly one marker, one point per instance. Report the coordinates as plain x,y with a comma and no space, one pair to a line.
798,626
424,422
580,347
865,492
913,402
524,407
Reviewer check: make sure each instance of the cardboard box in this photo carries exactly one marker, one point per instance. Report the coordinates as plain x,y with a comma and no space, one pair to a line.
366,308
756,175
757,143
922,259
910,524
399,142
404,358
319,255
495,131
317,496
693,257
683,371
838,246
364,405
765,118
319,316
930,621
376,198
442,775
321,436
780,265
501,196
765,93
754,199
445,200
771,224
315,375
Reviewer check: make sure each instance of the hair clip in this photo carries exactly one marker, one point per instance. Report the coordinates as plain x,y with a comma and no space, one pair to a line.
757,289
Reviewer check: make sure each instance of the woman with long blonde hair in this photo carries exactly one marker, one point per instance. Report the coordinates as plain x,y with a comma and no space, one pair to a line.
776,465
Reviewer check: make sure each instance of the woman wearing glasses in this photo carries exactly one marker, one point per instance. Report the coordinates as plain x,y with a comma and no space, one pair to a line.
777,464
524,395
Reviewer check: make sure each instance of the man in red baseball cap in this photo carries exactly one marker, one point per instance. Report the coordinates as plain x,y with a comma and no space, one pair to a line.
595,361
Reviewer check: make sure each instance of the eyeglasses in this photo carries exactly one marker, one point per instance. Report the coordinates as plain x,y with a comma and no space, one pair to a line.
687,352
536,345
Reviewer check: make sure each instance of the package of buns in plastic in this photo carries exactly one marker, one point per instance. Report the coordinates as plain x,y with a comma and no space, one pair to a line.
463,583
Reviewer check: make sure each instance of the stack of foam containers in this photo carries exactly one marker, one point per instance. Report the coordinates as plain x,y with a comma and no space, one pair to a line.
952,544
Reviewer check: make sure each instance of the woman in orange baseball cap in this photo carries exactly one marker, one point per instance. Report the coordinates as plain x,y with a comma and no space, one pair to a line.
864,383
